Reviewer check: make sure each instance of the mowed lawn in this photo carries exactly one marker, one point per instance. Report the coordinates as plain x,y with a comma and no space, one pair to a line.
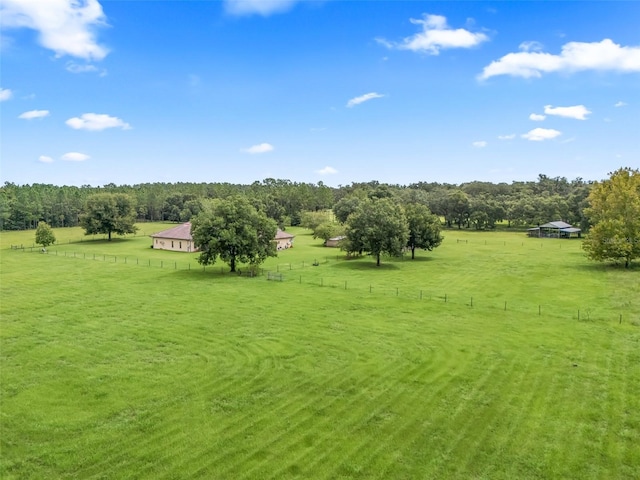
120,361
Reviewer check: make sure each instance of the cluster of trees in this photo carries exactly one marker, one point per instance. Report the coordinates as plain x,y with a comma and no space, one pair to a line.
380,223
376,218
478,205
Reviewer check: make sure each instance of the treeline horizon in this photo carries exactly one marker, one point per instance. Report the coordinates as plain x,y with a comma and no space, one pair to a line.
477,204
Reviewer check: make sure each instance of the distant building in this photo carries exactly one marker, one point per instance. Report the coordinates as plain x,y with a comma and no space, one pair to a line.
555,230
283,240
334,242
178,239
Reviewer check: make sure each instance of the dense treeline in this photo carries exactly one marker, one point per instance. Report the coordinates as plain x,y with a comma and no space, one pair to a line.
478,205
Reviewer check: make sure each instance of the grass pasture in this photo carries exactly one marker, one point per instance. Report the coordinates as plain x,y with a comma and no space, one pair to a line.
156,368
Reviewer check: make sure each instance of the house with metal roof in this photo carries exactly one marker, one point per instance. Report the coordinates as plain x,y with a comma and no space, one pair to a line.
556,229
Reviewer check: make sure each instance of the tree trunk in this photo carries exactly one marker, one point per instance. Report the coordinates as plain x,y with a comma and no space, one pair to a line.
109,235
378,260
413,252
232,264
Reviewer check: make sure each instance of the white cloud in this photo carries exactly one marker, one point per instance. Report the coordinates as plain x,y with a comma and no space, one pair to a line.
363,98
511,136
260,7
30,115
479,144
579,112
620,104
574,57
75,157
536,117
531,46
260,148
65,26
540,134
5,94
96,122
327,171
435,36
45,159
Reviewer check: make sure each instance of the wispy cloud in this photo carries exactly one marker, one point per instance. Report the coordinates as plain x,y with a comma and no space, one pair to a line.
574,56
260,148
75,157
74,67
480,144
540,134
327,171
363,98
620,104
436,35
259,7
45,159
511,136
65,26
96,122
31,114
536,117
579,112
5,94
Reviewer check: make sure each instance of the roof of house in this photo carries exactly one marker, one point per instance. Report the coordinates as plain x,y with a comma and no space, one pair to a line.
338,238
282,235
181,232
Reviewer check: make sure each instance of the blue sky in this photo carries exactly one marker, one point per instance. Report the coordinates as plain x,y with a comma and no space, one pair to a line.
128,92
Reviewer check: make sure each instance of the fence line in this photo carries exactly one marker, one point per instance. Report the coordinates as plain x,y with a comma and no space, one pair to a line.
281,273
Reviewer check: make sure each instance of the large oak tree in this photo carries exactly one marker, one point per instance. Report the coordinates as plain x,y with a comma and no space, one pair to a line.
109,213
234,230
377,226
614,213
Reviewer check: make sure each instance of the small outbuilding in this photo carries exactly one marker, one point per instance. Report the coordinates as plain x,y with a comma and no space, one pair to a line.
335,241
283,240
556,229
178,239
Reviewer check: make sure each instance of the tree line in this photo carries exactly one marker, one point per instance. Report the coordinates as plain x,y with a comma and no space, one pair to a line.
475,205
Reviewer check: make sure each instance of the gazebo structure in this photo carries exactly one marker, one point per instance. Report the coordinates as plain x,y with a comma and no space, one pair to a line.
557,229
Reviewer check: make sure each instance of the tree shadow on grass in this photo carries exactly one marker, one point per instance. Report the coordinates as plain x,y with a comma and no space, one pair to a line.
96,241
366,263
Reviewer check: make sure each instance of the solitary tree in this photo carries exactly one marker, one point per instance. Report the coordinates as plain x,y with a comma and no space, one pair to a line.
44,235
235,231
109,213
377,226
424,228
614,213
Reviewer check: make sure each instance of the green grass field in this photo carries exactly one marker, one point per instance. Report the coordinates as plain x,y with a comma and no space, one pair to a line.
120,361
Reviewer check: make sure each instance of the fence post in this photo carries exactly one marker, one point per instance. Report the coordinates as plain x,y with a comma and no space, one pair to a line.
620,319
345,285
300,279
578,314
420,294
397,291
321,281
445,298
369,288
539,310
505,306
472,301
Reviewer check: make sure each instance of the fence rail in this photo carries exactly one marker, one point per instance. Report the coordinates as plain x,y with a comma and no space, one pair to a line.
288,273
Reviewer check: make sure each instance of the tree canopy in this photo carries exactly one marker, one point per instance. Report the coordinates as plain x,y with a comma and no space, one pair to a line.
377,226
424,228
45,235
614,213
109,213
234,230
